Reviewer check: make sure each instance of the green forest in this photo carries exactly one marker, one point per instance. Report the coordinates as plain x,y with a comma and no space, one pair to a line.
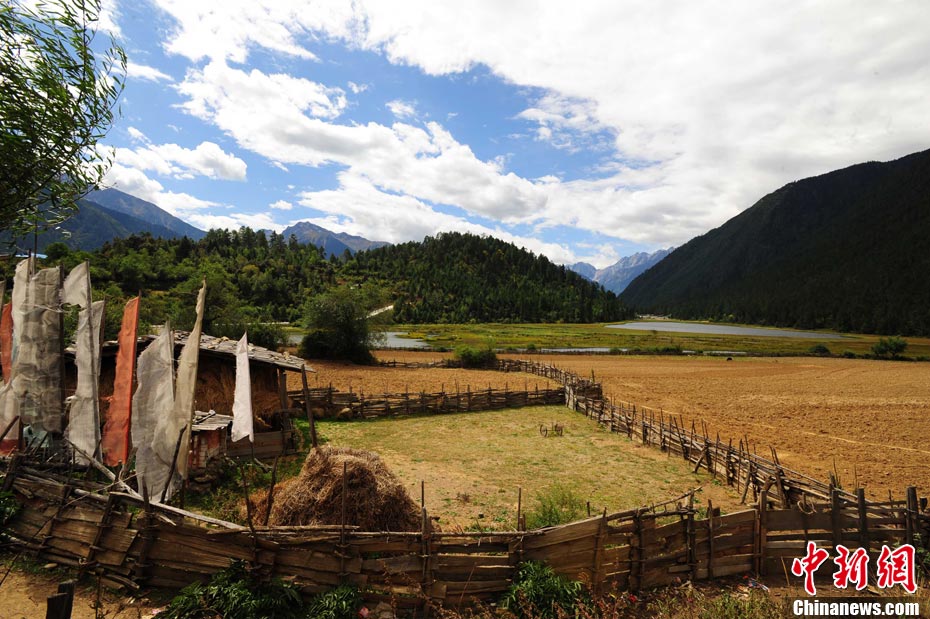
848,250
254,278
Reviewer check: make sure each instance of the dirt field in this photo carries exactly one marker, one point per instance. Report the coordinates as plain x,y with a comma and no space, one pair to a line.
23,595
871,417
377,380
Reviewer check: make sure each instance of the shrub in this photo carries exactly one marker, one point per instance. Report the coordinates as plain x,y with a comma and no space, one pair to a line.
9,507
819,350
339,603
538,592
475,357
235,593
555,505
848,354
890,347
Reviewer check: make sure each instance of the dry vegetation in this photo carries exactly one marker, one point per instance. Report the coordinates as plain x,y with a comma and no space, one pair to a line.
474,463
871,417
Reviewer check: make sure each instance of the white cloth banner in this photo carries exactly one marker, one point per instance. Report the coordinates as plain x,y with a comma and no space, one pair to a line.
155,427
76,289
37,368
187,381
83,429
20,298
242,398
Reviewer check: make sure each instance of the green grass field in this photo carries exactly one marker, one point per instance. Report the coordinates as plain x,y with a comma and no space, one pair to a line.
522,336
474,463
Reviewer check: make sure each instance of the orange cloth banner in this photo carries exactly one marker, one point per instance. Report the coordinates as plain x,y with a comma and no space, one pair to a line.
6,342
115,441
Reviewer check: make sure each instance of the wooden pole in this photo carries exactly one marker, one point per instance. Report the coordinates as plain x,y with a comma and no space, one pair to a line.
274,479
306,389
174,462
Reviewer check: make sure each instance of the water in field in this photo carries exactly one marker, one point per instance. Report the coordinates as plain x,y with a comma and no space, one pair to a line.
393,339
720,329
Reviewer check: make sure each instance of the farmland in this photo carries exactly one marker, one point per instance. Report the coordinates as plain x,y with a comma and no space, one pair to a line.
870,417
522,336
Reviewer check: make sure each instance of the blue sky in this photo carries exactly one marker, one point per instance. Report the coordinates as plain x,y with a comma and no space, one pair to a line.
583,131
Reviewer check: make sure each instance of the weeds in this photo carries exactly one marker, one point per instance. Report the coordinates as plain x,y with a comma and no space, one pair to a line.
340,603
555,505
539,593
235,593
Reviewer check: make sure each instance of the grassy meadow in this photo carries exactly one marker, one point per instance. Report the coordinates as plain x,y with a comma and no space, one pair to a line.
559,335
474,463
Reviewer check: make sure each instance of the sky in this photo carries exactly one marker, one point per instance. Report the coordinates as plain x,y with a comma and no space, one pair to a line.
584,131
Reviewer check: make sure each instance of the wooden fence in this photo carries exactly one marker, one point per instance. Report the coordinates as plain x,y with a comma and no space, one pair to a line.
133,543
75,524
328,402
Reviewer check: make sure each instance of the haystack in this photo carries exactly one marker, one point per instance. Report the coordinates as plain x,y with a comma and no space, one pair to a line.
375,498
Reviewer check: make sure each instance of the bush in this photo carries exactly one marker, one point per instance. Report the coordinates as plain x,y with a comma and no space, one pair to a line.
338,327
235,593
476,357
819,349
555,505
339,603
538,592
848,354
890,347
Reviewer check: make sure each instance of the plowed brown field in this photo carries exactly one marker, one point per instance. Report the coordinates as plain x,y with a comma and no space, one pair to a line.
872,418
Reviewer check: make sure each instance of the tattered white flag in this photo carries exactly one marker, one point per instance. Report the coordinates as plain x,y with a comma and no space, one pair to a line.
242,400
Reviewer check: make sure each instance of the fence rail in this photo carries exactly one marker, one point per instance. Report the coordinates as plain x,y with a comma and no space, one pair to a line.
77,523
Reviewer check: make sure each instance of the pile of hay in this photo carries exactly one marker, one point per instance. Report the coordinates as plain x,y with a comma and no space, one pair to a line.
376,500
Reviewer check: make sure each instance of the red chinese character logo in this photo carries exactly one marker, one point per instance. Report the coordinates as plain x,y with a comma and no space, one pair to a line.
896,567
853,567
808,564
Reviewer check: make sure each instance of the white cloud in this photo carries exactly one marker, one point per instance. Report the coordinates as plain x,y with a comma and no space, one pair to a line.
207,159
402,109
279,117
135,182
281,205
145,72
709,106
357,88
234,221
358,207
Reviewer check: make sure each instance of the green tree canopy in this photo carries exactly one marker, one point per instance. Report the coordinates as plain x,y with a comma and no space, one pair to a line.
338,326
57,100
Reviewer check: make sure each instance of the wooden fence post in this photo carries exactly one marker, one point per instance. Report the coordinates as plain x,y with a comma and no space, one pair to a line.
863,520
912,510
835,517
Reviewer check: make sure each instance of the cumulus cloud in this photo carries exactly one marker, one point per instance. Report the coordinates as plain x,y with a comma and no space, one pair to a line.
402,109
704,108
144,72
281,205
135,182
234,221
207,159
284,119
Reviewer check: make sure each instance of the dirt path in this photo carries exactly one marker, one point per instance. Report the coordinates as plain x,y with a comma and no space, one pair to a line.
23,595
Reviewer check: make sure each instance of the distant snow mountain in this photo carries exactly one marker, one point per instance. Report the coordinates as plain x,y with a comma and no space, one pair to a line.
331,242
618,276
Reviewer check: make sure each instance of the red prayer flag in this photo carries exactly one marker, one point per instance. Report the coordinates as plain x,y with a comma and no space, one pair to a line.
6,342
115,441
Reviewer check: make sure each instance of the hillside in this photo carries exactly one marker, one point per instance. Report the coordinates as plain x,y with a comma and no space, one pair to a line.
331,242
122,202
458,278
91,227
848,250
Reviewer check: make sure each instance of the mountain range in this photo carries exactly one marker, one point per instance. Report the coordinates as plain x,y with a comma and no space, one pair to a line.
847,250
331,242
618,276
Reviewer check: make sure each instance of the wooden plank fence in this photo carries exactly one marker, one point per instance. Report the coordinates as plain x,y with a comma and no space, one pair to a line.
109,535
76,523
329,402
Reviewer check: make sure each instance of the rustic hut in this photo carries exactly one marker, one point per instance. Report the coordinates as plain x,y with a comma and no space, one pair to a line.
216,380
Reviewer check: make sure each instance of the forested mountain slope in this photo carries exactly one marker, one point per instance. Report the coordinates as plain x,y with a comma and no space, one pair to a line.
848,250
